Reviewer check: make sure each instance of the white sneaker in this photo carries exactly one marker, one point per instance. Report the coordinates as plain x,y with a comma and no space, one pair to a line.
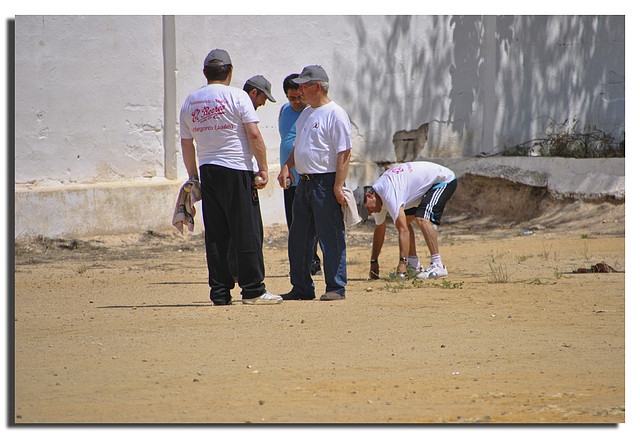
433,271
265,298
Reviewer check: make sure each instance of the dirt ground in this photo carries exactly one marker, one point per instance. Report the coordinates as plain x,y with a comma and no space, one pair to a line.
119,329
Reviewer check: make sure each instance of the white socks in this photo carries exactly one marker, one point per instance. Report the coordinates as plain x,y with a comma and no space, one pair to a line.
414,263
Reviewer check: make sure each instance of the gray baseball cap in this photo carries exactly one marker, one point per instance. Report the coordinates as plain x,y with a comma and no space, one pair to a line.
358,194
262,84
216,58
312,73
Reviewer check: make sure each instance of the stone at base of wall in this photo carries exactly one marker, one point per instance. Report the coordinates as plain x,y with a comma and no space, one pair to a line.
586,179
81,210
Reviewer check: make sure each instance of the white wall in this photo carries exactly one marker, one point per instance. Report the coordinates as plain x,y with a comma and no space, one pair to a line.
95,95
550,69
89,99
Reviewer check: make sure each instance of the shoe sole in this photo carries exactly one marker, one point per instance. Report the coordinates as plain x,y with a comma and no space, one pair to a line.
262,302
432,278
325,298
298,298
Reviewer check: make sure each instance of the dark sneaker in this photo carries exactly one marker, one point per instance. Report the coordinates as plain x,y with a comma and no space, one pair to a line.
331,296
296,296
316,267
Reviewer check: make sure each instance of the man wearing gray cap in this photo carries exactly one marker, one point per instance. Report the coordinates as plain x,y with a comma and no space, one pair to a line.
321,154
259,90
222,122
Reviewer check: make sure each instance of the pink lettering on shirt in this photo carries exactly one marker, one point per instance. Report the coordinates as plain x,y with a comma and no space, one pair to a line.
201,115
404,167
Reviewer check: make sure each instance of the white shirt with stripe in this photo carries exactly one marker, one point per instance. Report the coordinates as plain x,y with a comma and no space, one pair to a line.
403,186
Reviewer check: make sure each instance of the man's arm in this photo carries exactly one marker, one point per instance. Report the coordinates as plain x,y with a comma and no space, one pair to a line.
342,169
189,156
259,150
285,172
378,241
403,240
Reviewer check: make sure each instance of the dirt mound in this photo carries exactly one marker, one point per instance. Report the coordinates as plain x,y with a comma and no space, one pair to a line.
505,200
495,202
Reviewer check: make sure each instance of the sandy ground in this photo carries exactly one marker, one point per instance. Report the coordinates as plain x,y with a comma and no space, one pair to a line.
120,330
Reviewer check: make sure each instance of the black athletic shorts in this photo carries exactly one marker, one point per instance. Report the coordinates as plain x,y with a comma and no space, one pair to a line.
432,204
410,211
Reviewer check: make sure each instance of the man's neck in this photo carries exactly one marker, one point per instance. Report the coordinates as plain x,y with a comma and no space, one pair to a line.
225,82
320,102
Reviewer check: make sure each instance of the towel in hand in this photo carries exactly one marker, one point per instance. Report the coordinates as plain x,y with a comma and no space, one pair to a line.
185,210
350,211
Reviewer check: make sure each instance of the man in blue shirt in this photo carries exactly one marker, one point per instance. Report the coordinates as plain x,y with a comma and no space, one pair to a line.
289,114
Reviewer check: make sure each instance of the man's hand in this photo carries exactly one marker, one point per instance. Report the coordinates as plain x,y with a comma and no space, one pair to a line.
342,169
374,271
261,179
337,191
284,175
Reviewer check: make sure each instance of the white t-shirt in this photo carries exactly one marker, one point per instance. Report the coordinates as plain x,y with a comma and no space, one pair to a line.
403,186
321,134
214,116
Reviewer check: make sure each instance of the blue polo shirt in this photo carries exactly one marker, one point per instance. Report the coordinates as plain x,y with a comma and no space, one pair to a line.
287,127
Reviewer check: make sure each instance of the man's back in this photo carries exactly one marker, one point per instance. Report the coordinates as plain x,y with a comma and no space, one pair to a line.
403,185
214,116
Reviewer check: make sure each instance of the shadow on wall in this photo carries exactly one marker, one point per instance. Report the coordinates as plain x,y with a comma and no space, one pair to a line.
557,68
377,100
421,70
533,71
464,71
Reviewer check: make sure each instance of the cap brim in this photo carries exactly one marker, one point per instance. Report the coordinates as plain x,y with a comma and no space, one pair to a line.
261,88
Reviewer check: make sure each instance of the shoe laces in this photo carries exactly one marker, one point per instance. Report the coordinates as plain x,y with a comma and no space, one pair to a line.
431,269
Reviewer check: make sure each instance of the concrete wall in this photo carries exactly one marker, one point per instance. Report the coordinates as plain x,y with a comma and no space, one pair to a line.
592,180
89,99
97,97
482,83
